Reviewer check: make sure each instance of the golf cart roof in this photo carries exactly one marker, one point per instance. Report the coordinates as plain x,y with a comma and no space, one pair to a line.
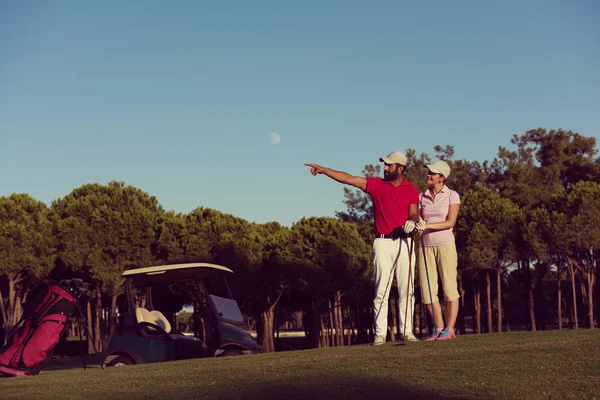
175,272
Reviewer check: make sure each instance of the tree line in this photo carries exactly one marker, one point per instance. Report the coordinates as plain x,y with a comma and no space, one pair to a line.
528,238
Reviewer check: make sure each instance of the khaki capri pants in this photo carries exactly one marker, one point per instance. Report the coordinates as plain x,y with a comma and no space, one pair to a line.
443,260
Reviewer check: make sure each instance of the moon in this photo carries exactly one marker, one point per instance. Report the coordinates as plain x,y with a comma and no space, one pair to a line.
275,138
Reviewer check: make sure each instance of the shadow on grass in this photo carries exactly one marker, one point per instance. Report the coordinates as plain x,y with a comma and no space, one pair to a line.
91,361
366,388
308,387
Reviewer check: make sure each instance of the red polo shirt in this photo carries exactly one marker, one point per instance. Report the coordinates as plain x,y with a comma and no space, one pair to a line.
391,203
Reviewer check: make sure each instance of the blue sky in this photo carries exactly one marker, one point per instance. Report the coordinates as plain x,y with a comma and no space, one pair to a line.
179,98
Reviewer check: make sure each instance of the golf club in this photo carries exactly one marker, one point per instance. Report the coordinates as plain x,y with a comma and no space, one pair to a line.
410,253
428,284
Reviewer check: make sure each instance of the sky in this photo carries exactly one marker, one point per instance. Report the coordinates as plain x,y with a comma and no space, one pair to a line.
180,99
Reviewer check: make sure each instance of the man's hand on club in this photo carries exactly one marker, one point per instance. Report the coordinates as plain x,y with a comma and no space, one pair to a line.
315,169
421,225
409,226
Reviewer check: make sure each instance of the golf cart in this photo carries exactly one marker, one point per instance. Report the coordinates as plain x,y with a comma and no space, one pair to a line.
146,335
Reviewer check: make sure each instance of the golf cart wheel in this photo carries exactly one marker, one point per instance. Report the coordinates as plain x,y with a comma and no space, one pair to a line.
120,361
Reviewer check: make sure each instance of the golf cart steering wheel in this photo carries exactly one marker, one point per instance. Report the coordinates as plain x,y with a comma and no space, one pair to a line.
143,331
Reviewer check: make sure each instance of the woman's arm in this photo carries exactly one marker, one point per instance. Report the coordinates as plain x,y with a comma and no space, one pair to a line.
450,219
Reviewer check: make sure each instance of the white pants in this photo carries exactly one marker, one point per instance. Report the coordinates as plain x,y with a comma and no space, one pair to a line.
385,252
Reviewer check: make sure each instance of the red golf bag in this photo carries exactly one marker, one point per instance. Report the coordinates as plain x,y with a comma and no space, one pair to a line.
44,320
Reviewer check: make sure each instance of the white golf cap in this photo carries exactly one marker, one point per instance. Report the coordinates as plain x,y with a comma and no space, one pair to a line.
439,167
395,157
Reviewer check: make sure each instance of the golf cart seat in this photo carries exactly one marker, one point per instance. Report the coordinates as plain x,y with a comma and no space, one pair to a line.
161,320
152,322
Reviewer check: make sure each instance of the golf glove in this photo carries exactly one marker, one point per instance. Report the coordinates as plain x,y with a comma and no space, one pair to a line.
409,226
421,225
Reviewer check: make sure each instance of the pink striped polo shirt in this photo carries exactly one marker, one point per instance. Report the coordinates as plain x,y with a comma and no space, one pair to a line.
433,211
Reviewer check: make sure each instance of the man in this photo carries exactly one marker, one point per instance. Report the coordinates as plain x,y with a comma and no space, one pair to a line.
395,212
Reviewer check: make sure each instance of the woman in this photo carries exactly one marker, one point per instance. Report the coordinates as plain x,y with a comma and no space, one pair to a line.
438,210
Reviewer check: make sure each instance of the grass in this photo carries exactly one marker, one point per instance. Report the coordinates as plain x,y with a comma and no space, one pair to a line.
544,365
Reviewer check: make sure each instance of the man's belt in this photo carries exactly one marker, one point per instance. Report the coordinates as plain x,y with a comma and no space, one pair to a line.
393,235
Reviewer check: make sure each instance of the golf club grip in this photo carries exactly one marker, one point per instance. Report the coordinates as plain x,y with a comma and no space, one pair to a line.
428,284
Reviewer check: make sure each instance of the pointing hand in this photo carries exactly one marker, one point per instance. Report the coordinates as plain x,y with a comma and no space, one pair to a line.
315,169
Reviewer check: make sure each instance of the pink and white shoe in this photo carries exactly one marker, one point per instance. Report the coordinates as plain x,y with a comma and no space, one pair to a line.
433,337
446,334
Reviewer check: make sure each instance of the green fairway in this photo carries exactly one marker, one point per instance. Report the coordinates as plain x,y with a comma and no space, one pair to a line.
545,365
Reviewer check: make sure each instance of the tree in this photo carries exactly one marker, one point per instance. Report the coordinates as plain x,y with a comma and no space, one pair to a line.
518,178
267,276
485,237
211,236
102,231
566,155
27,251
583,212
172,228
332,255
544,164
